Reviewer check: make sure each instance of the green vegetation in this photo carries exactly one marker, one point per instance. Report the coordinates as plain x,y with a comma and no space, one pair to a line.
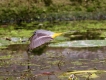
30,13
79,26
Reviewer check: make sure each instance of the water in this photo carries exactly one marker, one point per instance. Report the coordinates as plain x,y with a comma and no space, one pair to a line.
55,63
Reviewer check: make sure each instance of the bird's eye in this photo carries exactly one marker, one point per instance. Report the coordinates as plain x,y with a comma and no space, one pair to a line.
34,32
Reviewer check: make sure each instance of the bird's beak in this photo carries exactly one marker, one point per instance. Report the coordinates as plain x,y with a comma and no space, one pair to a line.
56,34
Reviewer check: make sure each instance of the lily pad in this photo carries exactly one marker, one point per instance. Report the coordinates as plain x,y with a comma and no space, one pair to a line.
80,43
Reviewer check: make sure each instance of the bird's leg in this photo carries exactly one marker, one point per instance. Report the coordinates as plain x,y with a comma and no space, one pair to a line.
28,62
28,54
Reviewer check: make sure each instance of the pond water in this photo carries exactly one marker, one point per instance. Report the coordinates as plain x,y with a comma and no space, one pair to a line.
57,62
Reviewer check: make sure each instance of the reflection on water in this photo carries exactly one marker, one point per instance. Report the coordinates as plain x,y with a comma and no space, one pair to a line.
15,63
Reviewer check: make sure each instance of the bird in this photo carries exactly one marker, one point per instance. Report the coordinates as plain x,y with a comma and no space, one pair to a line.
41,37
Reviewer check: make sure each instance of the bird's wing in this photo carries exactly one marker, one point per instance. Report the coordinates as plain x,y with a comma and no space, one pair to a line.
39,41
46,32
36,35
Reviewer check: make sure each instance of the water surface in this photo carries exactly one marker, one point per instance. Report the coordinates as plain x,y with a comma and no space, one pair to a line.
55,63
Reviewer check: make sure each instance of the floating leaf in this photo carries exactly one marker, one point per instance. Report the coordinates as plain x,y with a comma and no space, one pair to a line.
80,43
